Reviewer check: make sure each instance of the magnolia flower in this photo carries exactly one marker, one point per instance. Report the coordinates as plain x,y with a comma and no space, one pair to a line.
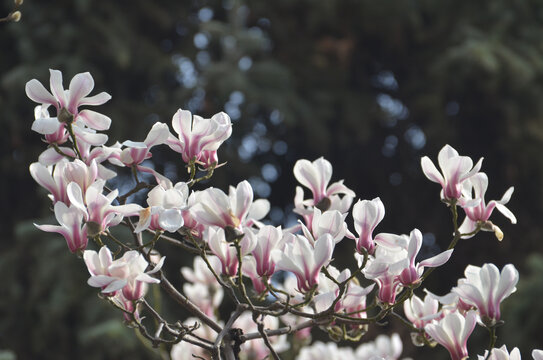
54,182
501,354
166,206
384,347
196,134
315,176
421,312
413,271
67,102
204,297
126,273
225,250
485,288
328,222
455,170
136,152
304,259
384,268
54,131
213,207
452,332
325,351
71,226
98,212
266,240
473,203
367,215
200,273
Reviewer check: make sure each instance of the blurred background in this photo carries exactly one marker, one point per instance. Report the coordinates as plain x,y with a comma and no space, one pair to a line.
370,85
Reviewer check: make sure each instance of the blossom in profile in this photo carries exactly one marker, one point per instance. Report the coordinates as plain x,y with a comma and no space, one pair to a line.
501,354
367,215
126,273
476,209
305,259
315,176
454,170
485,288
452,332
71,226
197,137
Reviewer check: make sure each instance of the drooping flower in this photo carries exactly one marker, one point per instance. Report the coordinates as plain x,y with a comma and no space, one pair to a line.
225,251
452,332
485,288
455,169
477,211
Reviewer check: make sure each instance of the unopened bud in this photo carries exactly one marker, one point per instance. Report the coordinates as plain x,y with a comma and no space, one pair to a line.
15,16
18,2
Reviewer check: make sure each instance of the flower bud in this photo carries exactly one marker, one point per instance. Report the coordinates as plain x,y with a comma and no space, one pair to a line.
15,16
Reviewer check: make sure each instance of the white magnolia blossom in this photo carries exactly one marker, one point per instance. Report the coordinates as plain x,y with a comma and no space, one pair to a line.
501,354
455,169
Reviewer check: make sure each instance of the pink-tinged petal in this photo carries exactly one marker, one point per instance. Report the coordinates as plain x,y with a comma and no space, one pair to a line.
37,93
306,174
51,157
105,257
506,212
159,265
43,177
147,279
445,154
158,135
469,325
437,260
339,188
468,226
46,126
430,170
474,170
76,196
175,144
101,281
182,122
537,354
508,280
391,241
90,138
54,228
243,199
98,99
94,120
324,247
117,284
57,88
415,242
470,294
80,86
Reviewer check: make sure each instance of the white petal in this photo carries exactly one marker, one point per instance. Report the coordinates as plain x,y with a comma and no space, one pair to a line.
95,120
37,92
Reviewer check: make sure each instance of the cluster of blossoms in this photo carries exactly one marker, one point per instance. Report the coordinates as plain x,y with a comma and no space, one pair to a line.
294,286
